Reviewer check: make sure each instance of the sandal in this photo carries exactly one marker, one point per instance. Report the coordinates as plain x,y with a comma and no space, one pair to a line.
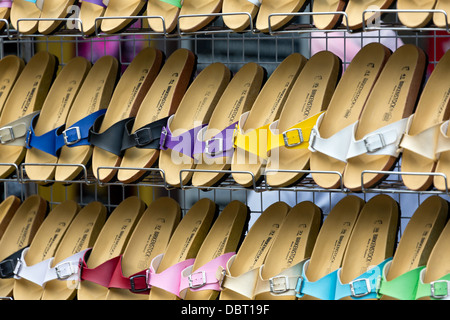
165,270
376,137
99,263
240,275
289,135
142,134
30,273
251,133
213,147
21,231
400,276
332,133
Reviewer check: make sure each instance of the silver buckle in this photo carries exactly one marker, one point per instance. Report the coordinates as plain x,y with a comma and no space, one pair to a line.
207,146
191,281
286,139
359,295
371,140
163,137
10,133
64,270
277,286
433,289
66,138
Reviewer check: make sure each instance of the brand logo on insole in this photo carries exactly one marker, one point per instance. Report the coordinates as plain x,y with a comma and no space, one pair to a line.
359,89
134,93
95,99
187,243
81,241
164,95
293,248
119,236
149,247
395,96
54,240
338,245
23,236
420,244
264,245
309,101
30,95
238,103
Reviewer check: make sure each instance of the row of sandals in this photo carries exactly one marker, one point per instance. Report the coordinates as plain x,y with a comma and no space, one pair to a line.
153,253
304,118
164,16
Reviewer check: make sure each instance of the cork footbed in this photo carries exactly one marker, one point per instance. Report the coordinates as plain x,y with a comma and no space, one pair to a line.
327,21
406,66
121,8
88,13
333,239
169,13
111,242
195,109
355,9
438,264
269,7
26,97
11,67
432,109
310,95
22,9
265,110
5,14
94,95
345,107
294,243
149,239
81,235
186,241
373,238
238,98
44,246
125,102
419,237
20,233
191,24
8,208
224,237
162,100
415,19
439,19
54,114
53,9
256,245
238,23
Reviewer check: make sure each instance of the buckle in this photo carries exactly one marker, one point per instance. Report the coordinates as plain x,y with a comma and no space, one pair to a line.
279,284
312,139
68,140
299,285
8,136
65,270
133,283
360,288
2,268
141,138
374,143
208,147
163,138
194,279
439,289
286,138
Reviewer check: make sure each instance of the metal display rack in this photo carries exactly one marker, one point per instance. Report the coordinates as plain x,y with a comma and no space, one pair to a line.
216,43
